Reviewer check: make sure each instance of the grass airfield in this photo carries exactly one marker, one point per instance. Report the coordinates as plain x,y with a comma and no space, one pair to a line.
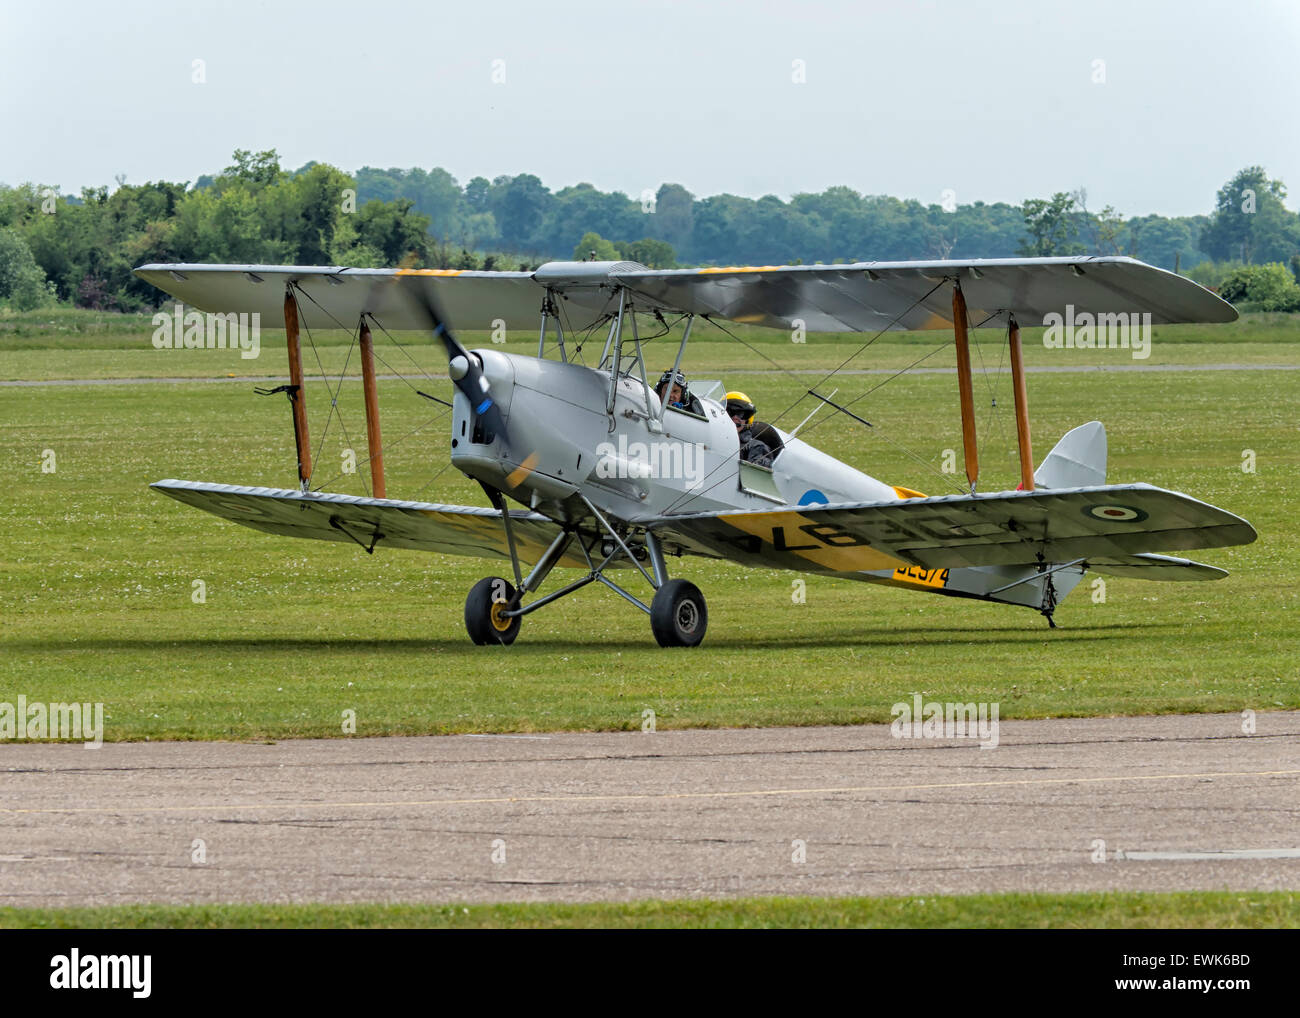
1208,910
97,581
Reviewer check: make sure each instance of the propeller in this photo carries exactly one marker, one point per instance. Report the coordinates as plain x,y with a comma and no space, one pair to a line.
465,369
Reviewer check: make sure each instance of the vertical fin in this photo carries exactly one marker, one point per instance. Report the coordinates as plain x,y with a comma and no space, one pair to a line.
1077,461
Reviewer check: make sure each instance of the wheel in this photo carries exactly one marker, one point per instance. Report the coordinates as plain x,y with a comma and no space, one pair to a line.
483,618
678,615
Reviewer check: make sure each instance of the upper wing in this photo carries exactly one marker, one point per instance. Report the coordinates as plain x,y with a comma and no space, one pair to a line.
337,296
1111,522
383,523
863,297
870,296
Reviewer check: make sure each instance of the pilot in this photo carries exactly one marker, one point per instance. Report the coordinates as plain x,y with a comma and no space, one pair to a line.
740,408
676,395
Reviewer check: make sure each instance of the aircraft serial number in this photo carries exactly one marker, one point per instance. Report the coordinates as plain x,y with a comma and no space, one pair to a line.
925,577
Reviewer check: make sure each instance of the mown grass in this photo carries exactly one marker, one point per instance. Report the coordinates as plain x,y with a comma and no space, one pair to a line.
1111,910
97,576
109,346
67,328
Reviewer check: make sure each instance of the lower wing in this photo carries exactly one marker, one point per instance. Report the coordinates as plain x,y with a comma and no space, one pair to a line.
372,522
1109,523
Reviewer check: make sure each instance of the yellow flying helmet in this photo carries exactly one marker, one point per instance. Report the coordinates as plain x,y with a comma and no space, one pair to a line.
740,401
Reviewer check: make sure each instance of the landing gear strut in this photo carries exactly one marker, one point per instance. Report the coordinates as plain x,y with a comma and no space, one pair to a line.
495,608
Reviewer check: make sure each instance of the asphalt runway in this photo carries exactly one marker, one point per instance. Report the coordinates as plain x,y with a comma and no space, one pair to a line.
1181,802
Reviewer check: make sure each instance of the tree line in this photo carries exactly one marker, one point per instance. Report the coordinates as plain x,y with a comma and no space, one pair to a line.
81,249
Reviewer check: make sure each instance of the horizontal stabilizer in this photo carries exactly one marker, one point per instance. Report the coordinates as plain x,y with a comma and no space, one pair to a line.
1156,567
372,522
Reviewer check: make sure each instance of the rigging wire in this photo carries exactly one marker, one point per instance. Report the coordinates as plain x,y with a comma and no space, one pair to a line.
942,346
875,428
994,385
896,319
689,496
334,396
397,441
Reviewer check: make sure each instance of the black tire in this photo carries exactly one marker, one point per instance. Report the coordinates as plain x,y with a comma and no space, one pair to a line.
482,621
678,614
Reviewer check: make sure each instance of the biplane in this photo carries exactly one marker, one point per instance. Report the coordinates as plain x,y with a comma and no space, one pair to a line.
607,473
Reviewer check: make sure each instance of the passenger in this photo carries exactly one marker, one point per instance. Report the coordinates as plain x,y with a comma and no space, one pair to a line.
741,409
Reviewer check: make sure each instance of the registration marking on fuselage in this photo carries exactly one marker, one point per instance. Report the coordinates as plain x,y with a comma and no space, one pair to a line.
921,576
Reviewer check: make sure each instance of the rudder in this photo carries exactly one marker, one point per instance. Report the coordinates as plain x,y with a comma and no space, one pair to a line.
1077,461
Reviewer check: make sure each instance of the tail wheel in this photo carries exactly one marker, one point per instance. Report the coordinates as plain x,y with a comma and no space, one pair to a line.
483,612
678,614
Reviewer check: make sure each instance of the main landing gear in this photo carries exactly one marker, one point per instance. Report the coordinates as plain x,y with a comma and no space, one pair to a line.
494,609
678,614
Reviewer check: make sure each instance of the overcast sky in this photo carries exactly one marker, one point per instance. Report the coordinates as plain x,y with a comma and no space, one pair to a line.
1151,106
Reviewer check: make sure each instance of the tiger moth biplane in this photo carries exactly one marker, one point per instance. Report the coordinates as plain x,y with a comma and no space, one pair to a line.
554,435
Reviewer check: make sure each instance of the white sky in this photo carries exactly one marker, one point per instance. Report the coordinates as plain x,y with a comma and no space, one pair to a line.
995,101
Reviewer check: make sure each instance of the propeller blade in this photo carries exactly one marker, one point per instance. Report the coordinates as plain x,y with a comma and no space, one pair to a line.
467,375
465,369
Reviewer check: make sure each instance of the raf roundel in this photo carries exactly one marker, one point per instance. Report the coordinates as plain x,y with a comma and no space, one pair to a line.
1115,513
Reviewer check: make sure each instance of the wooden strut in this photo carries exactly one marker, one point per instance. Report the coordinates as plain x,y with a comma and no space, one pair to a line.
1022,407
297,394
374,441
964,385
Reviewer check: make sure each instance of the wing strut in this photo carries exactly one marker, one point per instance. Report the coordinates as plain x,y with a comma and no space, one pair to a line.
1022,407
297,394
374,440
959,331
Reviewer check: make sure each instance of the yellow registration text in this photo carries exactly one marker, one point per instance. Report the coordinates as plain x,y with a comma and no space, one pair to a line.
922,577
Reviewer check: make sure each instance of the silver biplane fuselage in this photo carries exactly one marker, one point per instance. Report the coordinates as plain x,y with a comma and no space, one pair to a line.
638,460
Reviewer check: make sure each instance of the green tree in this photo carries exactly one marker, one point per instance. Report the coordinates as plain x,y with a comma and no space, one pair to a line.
1051,227
1268,287
1250,222
1163,241
313,206
258,169
476,195
593,247
434,193
23,285
654,254
519,205
395,230
673,219
1106,230
718,219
